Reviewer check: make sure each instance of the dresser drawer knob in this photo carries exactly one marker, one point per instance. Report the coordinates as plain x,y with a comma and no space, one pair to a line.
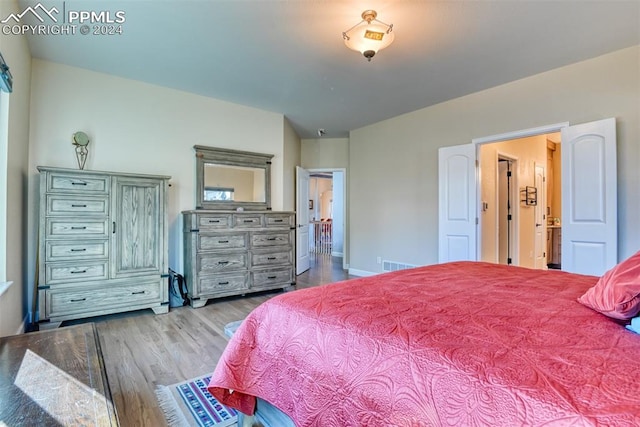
278,220
249,220
78,183
78,228
272,238
272,277
78,300
223,283
78,206
223,241
223,262
271,258
78,250
214,221
78,272
138,292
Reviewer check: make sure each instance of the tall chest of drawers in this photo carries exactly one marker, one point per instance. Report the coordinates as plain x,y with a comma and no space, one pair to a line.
234,253
102,243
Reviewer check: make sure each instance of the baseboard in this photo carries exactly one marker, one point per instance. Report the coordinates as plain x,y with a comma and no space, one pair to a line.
4,286
337,254
23,325
361,273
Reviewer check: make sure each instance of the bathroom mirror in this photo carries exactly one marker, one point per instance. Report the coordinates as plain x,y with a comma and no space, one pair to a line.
230,179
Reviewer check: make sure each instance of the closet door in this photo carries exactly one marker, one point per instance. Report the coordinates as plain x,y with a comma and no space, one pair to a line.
457,203
138,227
589,198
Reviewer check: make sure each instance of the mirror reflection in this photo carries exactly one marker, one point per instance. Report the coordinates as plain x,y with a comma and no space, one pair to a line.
233,183
229,179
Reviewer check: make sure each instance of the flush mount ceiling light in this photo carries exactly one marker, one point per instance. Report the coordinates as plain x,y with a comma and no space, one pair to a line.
369,35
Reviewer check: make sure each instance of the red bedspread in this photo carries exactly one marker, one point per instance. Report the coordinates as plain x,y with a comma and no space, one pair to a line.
460,344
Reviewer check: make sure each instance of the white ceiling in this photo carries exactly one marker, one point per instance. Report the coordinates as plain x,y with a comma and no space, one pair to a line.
288,56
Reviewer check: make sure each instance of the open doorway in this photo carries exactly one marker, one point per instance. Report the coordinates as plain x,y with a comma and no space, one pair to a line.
321,216
521,201
326,212
588,217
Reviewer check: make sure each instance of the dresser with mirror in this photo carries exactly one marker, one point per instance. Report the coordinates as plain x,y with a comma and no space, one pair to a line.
234,244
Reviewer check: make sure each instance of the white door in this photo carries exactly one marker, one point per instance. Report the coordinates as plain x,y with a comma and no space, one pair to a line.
457,203
302,220
589,199
540,237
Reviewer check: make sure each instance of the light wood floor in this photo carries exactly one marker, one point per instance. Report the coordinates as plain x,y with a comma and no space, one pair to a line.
142,350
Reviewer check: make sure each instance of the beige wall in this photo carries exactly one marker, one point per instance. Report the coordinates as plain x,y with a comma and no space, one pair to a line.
243,181
325,153
13,304
137,127
393,187
292,150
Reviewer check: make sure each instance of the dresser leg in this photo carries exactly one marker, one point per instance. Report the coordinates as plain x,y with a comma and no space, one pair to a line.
45,326
200,302
163,309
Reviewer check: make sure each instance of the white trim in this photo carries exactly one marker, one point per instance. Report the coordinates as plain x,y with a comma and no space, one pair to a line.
361,273
338,254
524,133
4,286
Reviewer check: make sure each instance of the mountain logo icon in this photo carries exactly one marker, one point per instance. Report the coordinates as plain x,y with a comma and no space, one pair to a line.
38,11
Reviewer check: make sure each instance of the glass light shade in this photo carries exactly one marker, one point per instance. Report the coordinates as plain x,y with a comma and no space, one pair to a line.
369,37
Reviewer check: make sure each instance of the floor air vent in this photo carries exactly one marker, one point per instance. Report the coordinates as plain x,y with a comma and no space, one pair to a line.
395,266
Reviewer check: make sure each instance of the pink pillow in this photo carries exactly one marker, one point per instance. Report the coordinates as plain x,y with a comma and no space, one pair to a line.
617,292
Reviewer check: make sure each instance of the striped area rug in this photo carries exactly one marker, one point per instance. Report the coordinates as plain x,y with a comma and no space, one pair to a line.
189,404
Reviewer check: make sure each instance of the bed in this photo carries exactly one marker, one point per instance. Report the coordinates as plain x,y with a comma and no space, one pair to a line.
461,344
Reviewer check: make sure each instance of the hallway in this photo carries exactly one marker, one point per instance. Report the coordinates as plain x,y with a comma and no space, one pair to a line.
322,269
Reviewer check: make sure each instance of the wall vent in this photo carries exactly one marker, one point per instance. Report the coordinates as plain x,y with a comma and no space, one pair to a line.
395,266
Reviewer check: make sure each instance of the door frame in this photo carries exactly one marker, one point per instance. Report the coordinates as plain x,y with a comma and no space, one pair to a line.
345,226
514,226
477,142
541,207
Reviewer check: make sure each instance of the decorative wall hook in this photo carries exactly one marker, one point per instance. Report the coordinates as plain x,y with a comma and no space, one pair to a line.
81,140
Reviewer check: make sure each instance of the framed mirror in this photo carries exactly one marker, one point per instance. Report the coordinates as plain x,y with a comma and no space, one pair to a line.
229,179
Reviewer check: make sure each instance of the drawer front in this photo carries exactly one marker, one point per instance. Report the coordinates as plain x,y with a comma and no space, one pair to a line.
64,205
214,222
272,277
271,239
61,182
279,220
64,251
210,242
222,283
222,262
271,258
66,302
247,221
84,228
76,272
